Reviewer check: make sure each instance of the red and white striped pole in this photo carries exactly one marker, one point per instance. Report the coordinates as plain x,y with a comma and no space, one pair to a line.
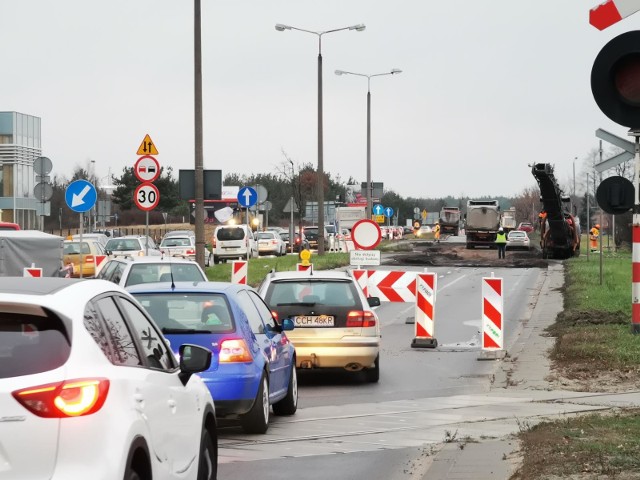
612,11
635,251
492,314
239,271
426,284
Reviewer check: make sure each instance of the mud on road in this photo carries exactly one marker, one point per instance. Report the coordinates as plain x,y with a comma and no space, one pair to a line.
430,254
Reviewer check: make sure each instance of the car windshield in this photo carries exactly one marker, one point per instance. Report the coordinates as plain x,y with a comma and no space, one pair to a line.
266,236
312,292
176,242
123,244
164,272
188,313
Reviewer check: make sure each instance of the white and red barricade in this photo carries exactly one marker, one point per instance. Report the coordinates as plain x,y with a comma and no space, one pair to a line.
426,284
100,261
304,268
392,286
362,278
492,314
32,271
239,271
612,11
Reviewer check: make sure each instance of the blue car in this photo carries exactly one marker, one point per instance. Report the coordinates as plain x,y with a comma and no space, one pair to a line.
253,363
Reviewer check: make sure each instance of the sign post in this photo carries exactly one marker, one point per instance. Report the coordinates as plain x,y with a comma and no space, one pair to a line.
147,170
81,196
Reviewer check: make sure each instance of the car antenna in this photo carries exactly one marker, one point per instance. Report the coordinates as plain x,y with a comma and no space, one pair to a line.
173,285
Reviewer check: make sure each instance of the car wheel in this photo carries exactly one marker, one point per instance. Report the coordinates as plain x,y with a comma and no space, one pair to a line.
216,260
257,419
208,260
372,375
208,464
289,404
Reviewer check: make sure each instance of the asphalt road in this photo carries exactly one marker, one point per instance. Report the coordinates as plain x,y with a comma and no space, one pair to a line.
338,412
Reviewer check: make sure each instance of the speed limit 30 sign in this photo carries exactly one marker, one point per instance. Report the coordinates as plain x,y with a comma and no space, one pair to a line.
146,196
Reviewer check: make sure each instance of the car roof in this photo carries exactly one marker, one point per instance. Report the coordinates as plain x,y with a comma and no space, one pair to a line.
193,287
29,286
315,275
159,259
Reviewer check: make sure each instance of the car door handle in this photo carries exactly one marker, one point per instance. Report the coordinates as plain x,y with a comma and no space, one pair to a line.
172,403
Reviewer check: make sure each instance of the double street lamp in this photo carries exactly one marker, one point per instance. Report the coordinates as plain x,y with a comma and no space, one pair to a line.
393,71
320,185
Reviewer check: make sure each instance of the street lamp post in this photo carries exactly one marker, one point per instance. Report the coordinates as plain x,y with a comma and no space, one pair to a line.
320,184
393,71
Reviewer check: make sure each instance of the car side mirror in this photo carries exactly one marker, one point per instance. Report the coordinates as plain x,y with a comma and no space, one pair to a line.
193,359
373,301
287,324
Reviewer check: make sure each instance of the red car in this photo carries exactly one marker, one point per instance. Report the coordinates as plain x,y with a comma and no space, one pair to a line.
525,227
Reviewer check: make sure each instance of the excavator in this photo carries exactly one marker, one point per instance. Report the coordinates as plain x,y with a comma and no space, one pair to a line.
559,229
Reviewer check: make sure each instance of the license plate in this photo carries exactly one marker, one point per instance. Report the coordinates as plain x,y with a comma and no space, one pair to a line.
314,321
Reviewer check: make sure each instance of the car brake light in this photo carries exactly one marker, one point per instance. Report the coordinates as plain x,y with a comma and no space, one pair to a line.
191,251
234,350
274,314
88,259
69,398
359,318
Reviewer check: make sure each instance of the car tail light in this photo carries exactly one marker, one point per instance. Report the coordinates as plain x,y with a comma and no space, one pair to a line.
274,314
213,242
69,398
359,318
234,350
191,251
88,259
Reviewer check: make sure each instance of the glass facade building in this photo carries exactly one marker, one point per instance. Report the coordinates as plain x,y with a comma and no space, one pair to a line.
20,145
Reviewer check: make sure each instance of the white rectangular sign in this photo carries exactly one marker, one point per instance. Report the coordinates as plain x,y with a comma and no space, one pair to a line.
364,257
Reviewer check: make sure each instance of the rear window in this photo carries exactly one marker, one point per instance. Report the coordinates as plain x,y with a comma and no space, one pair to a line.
121,245
176,242
234,233
314,292
266,236
73,248
163,272
174,313
31,344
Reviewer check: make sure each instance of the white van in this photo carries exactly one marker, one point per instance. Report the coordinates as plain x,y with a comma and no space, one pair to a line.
233,241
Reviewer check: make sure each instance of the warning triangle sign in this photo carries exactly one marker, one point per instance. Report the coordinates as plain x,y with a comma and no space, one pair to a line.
147,147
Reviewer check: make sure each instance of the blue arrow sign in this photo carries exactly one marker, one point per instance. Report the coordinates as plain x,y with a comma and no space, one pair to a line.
388,212
378,209
81,196
247,197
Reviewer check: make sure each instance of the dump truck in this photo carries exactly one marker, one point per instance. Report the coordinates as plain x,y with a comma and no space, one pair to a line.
482,221
449,220
559,229
508,219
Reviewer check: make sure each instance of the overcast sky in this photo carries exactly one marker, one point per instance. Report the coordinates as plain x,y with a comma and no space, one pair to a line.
487,86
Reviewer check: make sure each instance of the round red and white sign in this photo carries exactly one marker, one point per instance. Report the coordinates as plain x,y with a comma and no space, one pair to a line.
366,234
146,196
147,169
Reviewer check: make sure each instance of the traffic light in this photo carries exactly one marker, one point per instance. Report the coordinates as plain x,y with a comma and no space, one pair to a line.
615,80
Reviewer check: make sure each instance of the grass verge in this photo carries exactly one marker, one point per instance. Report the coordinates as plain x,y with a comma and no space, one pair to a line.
596,349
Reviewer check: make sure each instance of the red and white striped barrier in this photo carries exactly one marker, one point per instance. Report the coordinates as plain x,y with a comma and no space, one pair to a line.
492,314
32,271
425,307
303,268
100,261
239,271
612,11
392,286
362,278
635,274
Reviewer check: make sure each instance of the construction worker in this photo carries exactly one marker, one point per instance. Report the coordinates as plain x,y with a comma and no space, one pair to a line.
436,232
501,242
593,237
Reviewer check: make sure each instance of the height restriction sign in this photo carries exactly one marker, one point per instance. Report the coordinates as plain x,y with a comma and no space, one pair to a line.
147,169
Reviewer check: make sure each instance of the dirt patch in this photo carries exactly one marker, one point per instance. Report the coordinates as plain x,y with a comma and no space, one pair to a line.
430,254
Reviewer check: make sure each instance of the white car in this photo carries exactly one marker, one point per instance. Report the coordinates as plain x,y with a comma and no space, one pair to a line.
518,239
89,388
233,242
132,246
126,271
271,243
183,246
